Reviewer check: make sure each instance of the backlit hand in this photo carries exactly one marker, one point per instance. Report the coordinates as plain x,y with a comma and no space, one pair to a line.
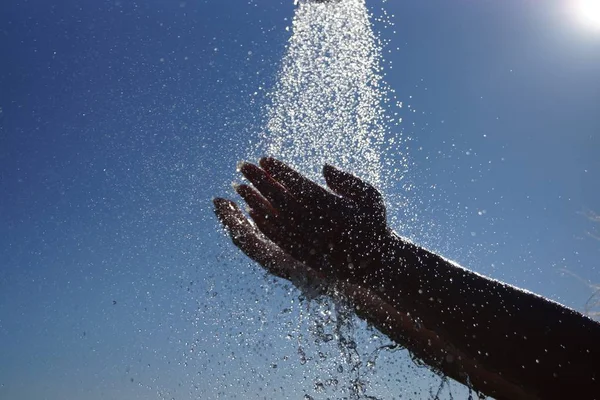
337,233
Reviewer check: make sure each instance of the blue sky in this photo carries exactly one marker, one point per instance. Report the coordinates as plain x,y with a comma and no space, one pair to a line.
121,120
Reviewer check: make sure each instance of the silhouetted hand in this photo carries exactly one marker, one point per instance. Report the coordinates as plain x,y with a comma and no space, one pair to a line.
337,233
315,237
262,250
472,328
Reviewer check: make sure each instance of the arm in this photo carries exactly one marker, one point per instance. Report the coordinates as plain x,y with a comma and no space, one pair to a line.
520,339
398,325
507,343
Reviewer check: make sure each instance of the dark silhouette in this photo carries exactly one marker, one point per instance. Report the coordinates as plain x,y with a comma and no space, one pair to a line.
502,341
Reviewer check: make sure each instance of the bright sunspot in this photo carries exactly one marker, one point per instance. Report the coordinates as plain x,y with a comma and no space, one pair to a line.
588,11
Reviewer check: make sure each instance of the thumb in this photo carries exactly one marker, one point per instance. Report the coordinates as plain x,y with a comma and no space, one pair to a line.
351,187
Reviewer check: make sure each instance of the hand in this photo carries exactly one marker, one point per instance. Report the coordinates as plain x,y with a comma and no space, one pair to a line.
336,233
259,248
436,309
307,234
314,237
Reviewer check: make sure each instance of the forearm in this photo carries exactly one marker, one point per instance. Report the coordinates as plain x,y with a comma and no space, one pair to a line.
531,341
428,346
503,338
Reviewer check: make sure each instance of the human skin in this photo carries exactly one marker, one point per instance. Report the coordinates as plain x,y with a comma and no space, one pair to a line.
502,341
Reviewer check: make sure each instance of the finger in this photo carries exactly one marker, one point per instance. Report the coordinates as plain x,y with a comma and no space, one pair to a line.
248,239
283,235
297,184
272,190
286,230
255,200
269,227
291,238
351,187
273,259
232,218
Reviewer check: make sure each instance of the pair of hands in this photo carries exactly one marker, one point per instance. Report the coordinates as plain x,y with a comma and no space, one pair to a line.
303,232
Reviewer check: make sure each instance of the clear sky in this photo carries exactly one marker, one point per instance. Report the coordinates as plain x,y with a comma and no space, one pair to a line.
120,120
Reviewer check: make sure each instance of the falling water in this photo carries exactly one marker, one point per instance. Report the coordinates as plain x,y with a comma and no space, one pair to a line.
328,107
327,104
331,105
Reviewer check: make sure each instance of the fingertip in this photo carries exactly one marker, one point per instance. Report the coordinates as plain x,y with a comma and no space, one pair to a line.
218,201
223,205
242,190
270,163
333,176
222,209
250,171
329,169
265,161
333,172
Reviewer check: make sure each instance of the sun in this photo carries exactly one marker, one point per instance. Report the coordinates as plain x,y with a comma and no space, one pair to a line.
588,11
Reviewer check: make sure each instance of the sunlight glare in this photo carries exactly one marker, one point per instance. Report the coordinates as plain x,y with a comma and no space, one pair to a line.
588,12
